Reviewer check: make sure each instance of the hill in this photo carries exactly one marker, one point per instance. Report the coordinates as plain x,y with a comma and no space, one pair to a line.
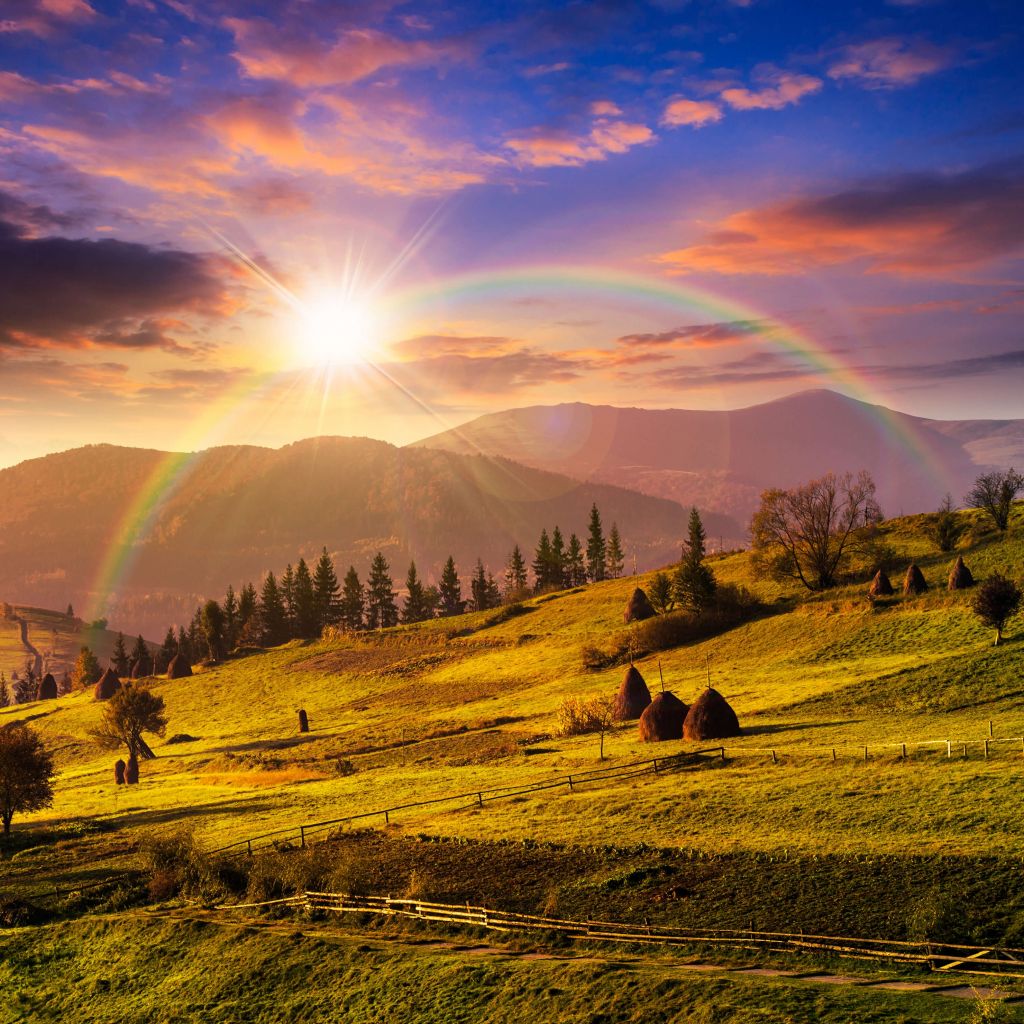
721,461
187,525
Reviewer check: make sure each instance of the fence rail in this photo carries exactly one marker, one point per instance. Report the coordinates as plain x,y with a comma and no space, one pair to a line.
937,957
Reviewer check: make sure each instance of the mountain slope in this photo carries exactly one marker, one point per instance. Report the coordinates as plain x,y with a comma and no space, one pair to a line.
229,514
722,460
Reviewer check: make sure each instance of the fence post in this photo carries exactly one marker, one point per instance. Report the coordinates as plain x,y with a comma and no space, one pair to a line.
248,843
723,752
570,782
990,732
833,753
986,750
904,751
655,766
965,751
387,820
480,799
949,748
775,760
302,835
865,755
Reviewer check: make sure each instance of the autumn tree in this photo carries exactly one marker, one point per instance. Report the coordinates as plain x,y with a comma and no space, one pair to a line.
86,670
597,548
381,609
132,711
694,583
994,493
804,532
26,773
353,600
995,602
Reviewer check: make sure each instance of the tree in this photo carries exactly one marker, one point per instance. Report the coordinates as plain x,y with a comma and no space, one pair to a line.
326,592
248,606
70,613
195,635
381,609
5,692
26,773
353,600
694,583
542,562
415,608
304,617
168,649
449,589
945,528
431,600
287,590
804,532
597,549
25,687
119,657
615,558
230,607
556,572
86,671
140,655
273,617
575,567
184,646
515,575
993,493
214,627
660,593
485,590
132,711
996,601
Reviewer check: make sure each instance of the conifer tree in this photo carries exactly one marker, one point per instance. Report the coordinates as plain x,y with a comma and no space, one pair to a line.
273,620
353,600
493,591
597,549
415,608
557,575
213,629
614,557
542,562
381,609
5,691
119,657
479,589
515,575
70,613
248,606
184,647
230,608
694,583
431,600
195,634
140,655
168,649
286,588
575,567
450,590
304,623
326,592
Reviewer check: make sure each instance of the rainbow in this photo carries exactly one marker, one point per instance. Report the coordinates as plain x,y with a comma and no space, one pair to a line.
428,299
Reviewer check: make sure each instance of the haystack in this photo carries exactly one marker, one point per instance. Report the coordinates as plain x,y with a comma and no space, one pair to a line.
881,585
47,688
141,669
663,718
960,577
638,608
119,767
914,582
710,717
108,685
632,698
131,771
179,667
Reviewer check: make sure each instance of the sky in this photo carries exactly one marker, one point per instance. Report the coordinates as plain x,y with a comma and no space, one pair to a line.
257,222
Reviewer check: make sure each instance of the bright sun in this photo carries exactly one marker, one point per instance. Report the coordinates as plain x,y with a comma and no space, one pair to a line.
336,328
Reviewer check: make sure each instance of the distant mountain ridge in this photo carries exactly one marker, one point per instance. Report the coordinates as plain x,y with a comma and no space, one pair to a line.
721,461
235,512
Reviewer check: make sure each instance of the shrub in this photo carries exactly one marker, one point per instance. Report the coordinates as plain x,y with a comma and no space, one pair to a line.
578,715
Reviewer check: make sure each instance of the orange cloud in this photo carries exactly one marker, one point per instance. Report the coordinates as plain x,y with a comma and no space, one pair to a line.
548,148
695,113
890,62
777,89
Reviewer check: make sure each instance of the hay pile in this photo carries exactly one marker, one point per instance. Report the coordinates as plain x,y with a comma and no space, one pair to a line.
663,718
914,582
131,771
108,685
141,669
47,689
711,717
179,667
960,577
881,585
632,698
638,608
119,767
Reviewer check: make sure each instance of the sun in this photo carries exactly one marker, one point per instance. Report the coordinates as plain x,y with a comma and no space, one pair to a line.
336,328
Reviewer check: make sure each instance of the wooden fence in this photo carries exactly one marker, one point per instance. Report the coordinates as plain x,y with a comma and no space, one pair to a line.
938,957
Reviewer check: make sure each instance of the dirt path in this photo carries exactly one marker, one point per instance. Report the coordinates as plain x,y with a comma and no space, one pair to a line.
37,658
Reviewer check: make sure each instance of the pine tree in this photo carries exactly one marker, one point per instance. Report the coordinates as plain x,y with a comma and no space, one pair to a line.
70,613
195,634
478,587
230,608
694,583
5,692
273,619
119,657
542,562
353,600
431,600
326,592
450,590
493,592
168,649
184,647
140,656
415,608
304,623
286,588
381,609
660,591
248,606
575,567
515,575
557,573
213,629
614,557
597,549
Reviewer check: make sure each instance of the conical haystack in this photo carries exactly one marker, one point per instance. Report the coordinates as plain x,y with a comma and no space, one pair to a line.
960,577
108,685
710,717
179,667
638,608
47,688
632,698
914,582
881,585
663,718
141,669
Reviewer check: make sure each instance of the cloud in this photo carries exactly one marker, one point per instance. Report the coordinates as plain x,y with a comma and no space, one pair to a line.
43,18
921,224
559,148
890,62
730,332
776,89
432,345
695,113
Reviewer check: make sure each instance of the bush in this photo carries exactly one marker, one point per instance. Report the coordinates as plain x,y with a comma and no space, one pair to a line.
578,715
175,864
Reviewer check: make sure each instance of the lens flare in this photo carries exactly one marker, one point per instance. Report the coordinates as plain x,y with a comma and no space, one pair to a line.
335,328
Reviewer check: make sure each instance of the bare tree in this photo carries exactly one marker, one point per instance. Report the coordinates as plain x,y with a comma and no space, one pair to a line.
26,773
993,493
804,532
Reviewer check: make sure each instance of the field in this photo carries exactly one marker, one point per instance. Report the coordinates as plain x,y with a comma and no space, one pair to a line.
794,830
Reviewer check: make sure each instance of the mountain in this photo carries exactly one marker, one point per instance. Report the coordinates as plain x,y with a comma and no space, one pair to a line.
227,515
721,461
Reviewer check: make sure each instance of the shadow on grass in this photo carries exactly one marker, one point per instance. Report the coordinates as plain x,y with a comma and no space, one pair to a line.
776,727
